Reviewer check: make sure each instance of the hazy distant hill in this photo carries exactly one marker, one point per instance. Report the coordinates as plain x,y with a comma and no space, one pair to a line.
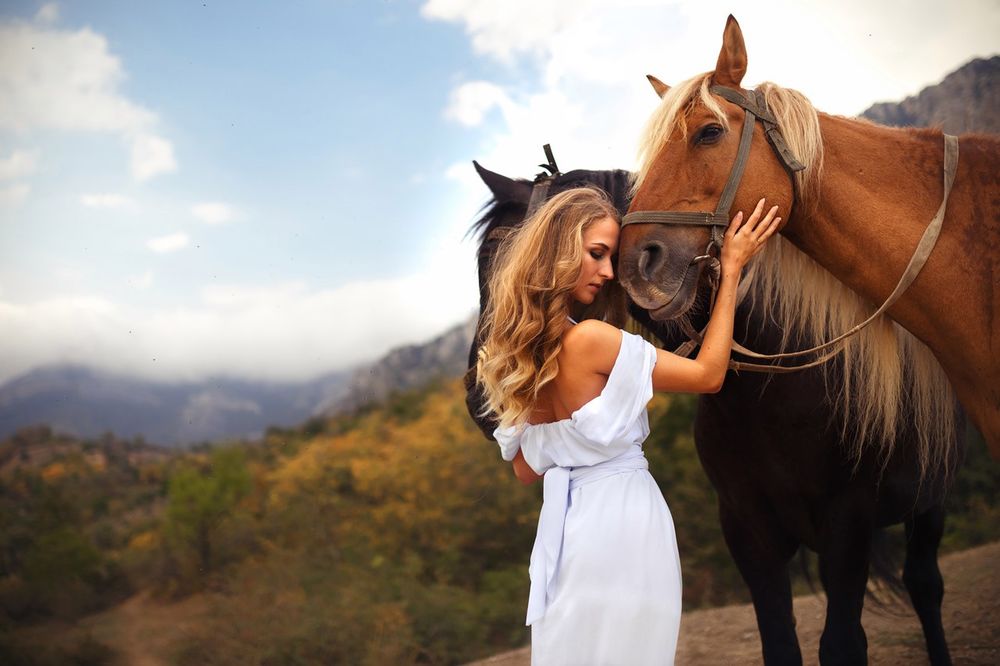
409,367
967,100
86,403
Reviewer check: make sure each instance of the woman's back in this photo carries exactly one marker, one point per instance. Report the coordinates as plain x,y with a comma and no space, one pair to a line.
589,350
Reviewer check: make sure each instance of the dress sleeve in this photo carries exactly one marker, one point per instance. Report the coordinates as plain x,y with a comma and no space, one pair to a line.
509,440
610,416
512,438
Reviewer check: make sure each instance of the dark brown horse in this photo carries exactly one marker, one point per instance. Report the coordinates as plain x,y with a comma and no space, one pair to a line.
788,465
858,209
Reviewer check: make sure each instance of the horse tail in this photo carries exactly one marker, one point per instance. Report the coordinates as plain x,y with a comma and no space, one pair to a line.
885,585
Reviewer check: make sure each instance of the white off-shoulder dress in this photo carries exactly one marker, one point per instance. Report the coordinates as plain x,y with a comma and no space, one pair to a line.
605,574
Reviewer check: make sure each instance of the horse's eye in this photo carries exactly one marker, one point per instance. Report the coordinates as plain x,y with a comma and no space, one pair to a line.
708,134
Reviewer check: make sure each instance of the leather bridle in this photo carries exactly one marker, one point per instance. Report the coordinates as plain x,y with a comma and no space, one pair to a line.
539,195
755,106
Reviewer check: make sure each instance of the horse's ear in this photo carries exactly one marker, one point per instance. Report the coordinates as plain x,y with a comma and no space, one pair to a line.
659,86
732,63
504,189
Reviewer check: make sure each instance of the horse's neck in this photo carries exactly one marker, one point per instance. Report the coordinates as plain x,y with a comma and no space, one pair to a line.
879,189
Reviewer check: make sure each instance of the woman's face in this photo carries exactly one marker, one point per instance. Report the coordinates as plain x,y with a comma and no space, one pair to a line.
600,241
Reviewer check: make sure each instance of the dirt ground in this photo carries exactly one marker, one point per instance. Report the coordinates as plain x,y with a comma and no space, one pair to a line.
145,631
971,613
142,630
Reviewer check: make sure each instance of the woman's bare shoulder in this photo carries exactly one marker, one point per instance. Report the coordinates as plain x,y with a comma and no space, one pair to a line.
592,345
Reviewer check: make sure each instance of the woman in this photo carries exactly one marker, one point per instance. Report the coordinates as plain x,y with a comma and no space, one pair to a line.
571,400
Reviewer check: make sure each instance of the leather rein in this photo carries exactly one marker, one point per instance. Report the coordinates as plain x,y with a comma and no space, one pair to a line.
754,104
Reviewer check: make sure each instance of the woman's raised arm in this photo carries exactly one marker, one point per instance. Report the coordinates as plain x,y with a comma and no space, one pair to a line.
705,372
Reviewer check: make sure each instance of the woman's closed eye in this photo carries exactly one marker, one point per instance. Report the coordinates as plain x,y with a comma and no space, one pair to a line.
597,254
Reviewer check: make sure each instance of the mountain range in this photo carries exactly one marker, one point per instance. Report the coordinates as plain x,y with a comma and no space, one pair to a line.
88,403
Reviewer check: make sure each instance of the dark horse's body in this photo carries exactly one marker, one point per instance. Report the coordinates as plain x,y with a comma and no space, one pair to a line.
772,446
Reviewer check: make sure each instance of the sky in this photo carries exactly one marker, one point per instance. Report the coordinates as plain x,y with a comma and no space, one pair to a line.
275,191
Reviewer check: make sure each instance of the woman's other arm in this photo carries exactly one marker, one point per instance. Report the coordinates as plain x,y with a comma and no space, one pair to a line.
523,471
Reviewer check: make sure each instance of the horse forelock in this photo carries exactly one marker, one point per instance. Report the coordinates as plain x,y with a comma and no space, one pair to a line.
671,115
795,114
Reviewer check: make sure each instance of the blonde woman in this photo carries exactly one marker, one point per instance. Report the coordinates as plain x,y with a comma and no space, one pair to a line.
570,399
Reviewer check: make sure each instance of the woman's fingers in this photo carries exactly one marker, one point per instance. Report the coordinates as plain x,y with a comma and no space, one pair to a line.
734,225
772,226
744,239
754,217
764,223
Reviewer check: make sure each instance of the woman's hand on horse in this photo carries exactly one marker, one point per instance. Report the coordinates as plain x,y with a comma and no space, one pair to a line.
745,239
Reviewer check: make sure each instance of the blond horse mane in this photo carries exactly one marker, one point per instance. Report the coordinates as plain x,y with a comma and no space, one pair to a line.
889,377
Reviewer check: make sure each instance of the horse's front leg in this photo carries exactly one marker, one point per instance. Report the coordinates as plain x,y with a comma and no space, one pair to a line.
923,579
843,567
762,551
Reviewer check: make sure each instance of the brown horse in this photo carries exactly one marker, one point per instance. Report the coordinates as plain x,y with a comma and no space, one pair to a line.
858,209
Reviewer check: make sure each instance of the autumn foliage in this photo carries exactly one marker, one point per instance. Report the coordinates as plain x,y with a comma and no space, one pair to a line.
391,535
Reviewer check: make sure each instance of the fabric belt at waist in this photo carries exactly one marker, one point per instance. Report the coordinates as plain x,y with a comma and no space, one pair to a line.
547,551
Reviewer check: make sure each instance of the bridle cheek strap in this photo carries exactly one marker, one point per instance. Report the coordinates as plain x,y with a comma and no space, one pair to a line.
718,220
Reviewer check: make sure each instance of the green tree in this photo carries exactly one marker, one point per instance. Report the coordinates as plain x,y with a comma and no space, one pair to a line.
198,500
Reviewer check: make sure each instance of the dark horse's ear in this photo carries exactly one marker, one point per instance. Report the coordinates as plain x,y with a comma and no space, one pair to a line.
505,189
732,63
659,86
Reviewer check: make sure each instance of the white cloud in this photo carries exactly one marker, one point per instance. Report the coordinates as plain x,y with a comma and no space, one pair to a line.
470,102
151,156
281,332
464,173
213,212
503,29
70,81
594,55
19,164
141,281
70,274
168,243
48,13
106,200
15,194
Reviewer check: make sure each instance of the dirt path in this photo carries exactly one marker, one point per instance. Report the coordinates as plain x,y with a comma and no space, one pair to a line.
144,630
971,613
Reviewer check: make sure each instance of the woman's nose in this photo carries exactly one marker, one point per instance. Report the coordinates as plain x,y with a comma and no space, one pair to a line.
607,271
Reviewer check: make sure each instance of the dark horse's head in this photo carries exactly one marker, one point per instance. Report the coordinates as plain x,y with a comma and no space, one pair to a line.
506,212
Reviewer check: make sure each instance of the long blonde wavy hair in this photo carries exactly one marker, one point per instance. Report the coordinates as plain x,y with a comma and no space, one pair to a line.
530,297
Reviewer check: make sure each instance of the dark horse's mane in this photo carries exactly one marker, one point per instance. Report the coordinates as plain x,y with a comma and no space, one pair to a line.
518,192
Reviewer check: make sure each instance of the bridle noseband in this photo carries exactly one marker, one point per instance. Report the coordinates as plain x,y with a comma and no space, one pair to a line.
754,104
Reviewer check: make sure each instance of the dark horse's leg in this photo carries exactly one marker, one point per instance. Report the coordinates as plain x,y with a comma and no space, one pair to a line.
923,579
843,568
762,553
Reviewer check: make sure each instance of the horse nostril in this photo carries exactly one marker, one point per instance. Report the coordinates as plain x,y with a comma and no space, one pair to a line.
650,260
